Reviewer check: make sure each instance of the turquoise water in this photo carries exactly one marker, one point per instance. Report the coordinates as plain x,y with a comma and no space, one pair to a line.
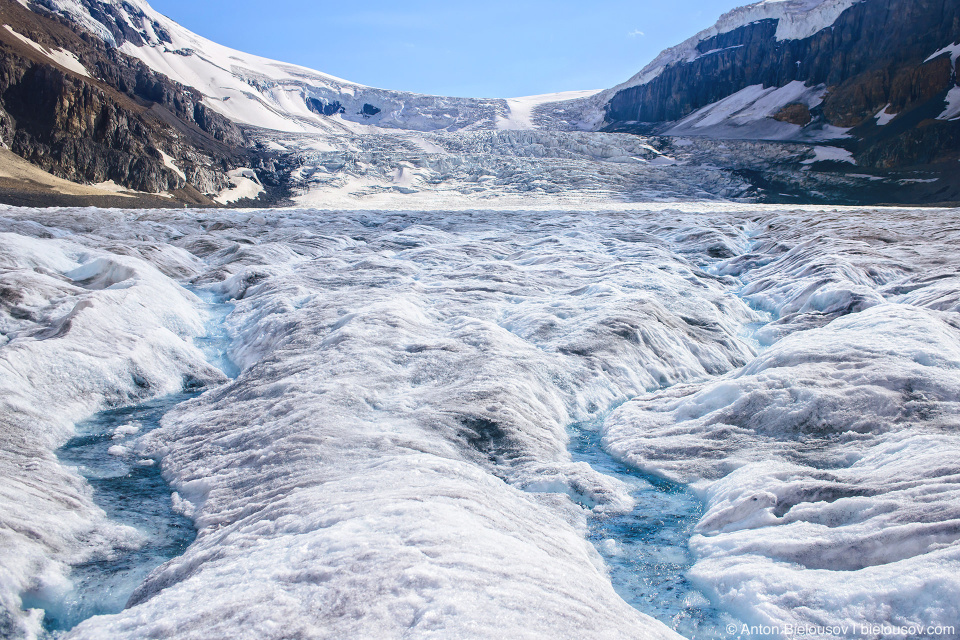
647,550
132,492
215,344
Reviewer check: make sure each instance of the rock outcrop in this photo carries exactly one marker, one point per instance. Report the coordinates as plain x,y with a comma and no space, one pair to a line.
878,56
80,109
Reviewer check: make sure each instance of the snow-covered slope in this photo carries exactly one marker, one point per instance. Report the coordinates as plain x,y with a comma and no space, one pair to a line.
266,93
805,70
796,19
274,95
750,114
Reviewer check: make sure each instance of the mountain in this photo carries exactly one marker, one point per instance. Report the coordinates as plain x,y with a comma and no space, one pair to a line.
265,93
793,100
877,76
78,108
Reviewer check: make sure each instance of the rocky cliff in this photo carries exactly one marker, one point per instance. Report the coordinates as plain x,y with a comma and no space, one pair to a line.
79,108
881,77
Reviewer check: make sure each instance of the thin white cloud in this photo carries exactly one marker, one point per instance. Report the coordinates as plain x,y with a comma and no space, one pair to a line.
636,33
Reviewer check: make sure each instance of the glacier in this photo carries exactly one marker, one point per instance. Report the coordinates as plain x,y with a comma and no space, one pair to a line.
131,491
396,455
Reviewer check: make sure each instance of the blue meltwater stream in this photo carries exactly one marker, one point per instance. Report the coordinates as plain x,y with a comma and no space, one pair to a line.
647,550
132,492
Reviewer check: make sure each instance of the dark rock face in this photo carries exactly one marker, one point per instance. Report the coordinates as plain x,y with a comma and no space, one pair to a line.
108,15
370,110
872,56
113,125
74,129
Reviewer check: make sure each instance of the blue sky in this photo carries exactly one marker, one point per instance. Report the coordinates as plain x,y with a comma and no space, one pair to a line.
496,48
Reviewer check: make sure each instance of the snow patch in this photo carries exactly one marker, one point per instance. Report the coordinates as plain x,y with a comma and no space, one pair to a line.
169,164
830,154
520,110
110,186
749,113
952,49
884,117
952,110
62,57
244,184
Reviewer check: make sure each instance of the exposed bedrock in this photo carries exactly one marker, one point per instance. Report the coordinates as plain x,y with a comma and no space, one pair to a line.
109,117
877,56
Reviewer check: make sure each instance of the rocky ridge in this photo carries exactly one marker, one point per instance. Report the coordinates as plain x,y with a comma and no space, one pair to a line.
82,110
882,74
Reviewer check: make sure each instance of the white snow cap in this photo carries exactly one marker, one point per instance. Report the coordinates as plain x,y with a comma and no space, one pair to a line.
275,95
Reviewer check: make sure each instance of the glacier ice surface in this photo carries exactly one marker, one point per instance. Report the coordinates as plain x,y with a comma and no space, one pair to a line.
393,456
132,494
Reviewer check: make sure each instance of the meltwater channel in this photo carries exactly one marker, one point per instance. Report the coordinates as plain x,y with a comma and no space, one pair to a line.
132,492
647,550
